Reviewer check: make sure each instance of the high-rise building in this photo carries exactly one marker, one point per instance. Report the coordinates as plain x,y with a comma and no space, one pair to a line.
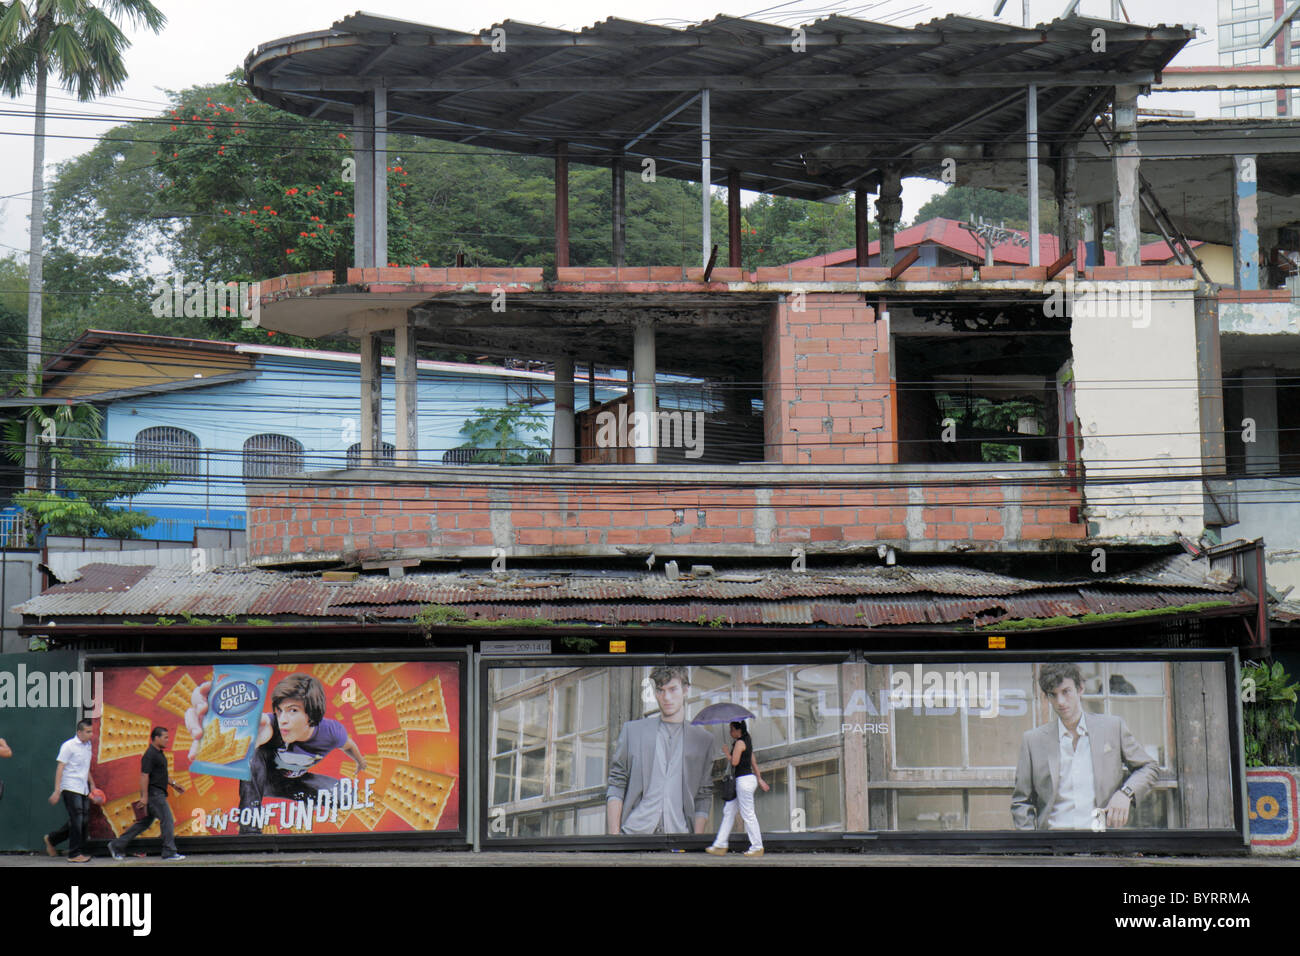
1241,25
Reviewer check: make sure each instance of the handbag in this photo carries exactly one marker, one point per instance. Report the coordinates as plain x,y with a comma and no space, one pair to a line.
727,785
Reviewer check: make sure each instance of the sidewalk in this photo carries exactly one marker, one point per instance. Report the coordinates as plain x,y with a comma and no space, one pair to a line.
445,858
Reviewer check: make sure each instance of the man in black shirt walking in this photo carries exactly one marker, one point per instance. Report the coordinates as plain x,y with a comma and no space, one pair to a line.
153,795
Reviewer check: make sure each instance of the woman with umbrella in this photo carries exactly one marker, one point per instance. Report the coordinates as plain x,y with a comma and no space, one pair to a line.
748,778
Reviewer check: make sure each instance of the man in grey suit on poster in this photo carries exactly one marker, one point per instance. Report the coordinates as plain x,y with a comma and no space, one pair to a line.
660,778
1078,763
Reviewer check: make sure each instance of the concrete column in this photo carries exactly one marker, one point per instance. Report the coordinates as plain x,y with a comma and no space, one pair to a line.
889,209
562,440
405,380
1096,233
1031,151
1245,223
643,384
561,205
363,193
1259,402
733,218
1067,197
372,390
379,191
861,235
706,176
1128,209
619,211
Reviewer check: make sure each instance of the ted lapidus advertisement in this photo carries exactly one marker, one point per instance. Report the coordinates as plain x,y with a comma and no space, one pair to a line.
340,747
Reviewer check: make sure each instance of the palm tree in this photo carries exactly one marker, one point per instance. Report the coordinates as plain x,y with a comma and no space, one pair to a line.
82,42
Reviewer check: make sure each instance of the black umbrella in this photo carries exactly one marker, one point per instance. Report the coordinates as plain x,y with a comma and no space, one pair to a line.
723,713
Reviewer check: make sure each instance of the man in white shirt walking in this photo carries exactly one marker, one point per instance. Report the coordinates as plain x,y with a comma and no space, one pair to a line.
72,784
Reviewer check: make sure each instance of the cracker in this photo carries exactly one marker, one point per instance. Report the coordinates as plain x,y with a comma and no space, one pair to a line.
149,687
121,817
122,734
270,828
374,767
383,667
423,708
180,698
160,672
182,740
418,796
202,783
183,778
392,744
330,673
369,816
363,722
220,746
387,693
358,698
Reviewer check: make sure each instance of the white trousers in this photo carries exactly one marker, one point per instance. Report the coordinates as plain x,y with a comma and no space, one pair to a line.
745,787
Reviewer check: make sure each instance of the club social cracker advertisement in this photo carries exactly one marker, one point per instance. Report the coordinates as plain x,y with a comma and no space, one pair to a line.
286,749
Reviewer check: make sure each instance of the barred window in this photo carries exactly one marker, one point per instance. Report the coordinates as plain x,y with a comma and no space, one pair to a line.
267,455
387,454
174,448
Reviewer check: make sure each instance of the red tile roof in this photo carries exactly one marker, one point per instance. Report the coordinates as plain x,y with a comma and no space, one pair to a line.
949,234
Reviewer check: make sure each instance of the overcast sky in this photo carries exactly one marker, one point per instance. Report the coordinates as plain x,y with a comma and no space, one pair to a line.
204,41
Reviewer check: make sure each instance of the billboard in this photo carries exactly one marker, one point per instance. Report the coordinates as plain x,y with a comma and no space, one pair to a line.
1097,745
285,749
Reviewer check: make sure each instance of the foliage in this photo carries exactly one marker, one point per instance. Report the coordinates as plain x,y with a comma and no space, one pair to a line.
441,615
984,413
82,46
77,40
965,203
501,434
228,188
1270,719
786,230
88,476
581,645
1060,620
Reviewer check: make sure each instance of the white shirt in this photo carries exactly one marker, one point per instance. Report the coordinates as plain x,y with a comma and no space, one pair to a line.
660,807
75,757
1074,790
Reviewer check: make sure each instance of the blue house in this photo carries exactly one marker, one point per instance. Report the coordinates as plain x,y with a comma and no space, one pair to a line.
217,413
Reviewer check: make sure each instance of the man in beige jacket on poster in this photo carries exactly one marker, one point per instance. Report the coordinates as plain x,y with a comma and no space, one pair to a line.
1077,764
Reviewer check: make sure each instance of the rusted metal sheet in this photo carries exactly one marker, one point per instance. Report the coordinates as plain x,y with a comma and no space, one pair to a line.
869,597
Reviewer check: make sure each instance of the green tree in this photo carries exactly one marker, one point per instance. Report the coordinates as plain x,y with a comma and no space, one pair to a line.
83,44
778,229
86,473
965,203
500,436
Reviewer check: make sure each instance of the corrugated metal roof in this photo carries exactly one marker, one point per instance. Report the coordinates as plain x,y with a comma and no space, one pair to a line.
1286,612
858,597
825,116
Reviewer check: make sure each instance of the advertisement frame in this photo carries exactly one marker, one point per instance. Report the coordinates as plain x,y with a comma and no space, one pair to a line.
447,839
1219,840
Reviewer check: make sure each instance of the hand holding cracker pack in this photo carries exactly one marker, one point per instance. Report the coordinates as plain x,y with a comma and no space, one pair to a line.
232,721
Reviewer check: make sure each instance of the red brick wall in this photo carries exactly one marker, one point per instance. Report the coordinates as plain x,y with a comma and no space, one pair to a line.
370,521
827,392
